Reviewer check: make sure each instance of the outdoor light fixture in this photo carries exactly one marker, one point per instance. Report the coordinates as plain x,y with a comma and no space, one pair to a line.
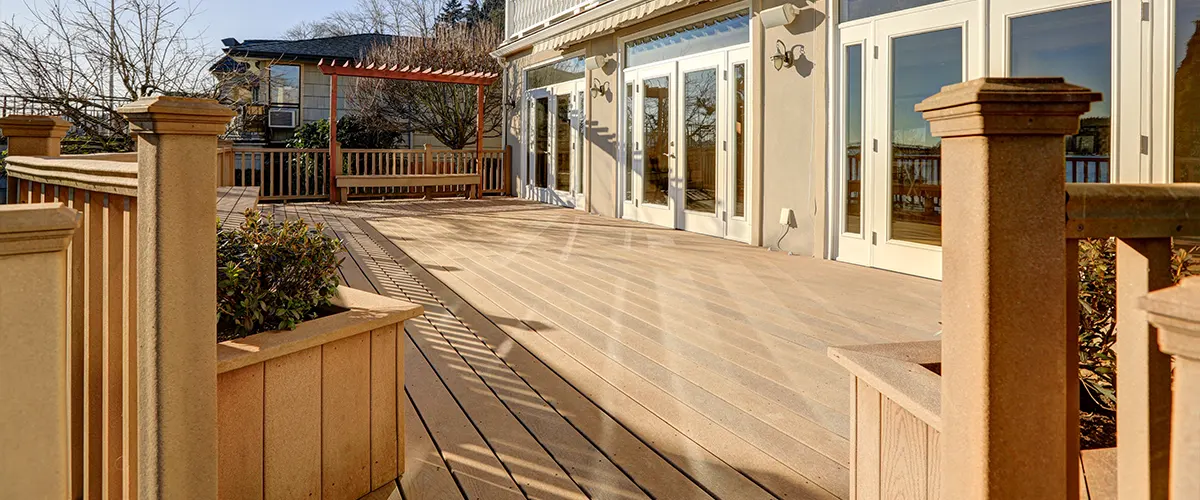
599,88
785,57
595,62
782,15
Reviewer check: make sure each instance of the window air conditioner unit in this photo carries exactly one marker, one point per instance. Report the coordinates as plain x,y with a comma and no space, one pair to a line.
282,118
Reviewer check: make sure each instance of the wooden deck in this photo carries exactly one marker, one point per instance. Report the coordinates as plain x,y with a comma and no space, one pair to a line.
565,355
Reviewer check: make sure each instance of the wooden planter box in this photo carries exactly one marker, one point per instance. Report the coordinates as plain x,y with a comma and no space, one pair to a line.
895,431
316,412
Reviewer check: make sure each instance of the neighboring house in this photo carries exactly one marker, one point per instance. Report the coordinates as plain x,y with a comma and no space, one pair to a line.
275,86
726,117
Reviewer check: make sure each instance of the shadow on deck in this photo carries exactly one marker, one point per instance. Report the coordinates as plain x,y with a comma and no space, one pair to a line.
566,355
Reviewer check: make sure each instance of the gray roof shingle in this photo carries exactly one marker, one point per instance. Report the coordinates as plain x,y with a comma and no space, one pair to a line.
337,47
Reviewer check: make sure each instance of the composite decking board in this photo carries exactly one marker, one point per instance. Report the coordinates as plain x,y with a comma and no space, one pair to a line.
660,389
432,332
725,354
566,439
778,477
475,466
694,376
713,283
425,472
698,463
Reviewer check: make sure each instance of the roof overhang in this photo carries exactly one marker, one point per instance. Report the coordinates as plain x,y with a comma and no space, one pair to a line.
345,68
586,21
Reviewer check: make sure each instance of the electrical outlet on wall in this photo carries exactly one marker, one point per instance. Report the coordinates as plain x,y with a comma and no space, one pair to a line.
787,217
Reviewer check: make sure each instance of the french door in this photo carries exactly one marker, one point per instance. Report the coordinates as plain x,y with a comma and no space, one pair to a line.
554,170
684,147
890,187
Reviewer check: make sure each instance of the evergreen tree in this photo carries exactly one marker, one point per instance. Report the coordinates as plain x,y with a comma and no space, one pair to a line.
493,11
474,13
452,13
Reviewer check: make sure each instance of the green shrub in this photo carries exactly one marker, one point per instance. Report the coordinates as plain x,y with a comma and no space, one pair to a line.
272,275
1097,313
354,132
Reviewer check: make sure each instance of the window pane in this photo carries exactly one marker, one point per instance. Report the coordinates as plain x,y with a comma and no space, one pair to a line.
1075,44
921,65
562,142
656,136
1187,91
541,142
739,139
700,129
629,142
853,137
850,10
700,37
562,71
284,84
578,189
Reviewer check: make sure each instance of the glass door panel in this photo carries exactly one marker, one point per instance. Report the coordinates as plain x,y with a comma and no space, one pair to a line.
921,65
700,140
562,142
734,180
1075,43
656,140
1185,165
541,142
852,120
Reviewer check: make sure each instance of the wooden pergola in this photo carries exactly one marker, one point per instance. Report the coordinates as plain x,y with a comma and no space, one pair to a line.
335,68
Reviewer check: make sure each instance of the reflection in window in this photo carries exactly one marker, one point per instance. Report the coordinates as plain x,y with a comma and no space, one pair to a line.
656,136
850,10
700,129
578,189
739,138
562,142
541,142
1077,45
561,71
284,84
1187,91
853,138
628,142
921,65
703,36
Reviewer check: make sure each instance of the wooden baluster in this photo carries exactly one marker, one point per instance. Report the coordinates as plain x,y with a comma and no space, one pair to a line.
1143,373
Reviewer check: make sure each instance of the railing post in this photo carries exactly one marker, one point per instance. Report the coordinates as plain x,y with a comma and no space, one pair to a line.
35,461
30,135
1143,372
176,295
1004,371
1175,312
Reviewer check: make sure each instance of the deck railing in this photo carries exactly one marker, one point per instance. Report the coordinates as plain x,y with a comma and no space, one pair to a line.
139,397
287,174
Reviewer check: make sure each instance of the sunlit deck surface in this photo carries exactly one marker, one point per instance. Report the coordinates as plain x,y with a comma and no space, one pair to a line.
567,355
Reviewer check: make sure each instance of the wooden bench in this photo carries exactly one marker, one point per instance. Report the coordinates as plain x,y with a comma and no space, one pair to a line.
345,182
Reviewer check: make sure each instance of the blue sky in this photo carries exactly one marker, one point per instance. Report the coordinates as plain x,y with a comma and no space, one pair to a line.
219,19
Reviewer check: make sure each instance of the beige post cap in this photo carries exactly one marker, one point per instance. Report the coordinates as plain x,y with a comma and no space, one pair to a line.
176,115
1012,106
1176,310
34,126
36,227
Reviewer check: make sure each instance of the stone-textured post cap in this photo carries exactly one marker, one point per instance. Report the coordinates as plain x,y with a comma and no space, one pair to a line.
36,227
1007,106
1176,310
176,115
34,126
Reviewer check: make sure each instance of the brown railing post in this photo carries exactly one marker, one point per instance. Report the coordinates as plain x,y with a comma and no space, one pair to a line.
30,135
176,295
1004,372
1175,312
507,170
35,461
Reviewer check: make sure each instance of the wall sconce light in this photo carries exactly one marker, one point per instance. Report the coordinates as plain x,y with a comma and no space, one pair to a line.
599,88
785,57
782,15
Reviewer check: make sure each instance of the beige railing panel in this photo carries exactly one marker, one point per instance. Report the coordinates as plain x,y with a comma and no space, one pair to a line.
1176,314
